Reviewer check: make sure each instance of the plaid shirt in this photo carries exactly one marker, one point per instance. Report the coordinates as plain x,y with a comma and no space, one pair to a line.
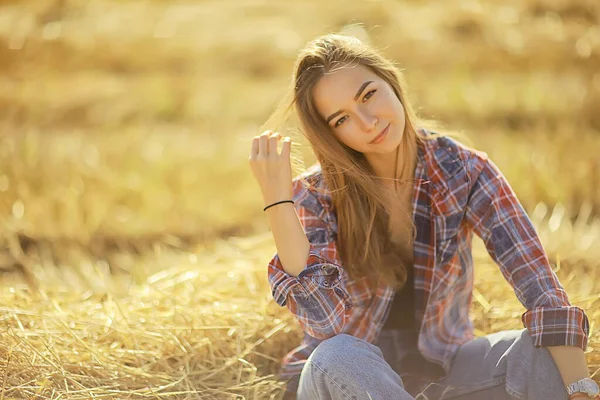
458,191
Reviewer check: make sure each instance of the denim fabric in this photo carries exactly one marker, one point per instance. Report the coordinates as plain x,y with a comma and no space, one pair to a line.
500,366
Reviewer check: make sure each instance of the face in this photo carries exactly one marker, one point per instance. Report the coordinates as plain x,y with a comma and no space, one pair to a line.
358,105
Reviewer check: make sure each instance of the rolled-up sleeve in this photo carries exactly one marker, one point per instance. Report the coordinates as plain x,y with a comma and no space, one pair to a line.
317,297
497,216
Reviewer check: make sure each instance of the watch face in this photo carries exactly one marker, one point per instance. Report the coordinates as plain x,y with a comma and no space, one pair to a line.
591,387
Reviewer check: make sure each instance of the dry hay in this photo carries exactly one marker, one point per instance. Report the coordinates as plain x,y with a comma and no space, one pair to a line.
205,328
208,329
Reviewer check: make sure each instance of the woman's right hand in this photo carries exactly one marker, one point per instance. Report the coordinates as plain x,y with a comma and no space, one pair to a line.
271,169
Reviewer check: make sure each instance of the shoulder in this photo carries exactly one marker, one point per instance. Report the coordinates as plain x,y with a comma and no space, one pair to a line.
453,169
448,159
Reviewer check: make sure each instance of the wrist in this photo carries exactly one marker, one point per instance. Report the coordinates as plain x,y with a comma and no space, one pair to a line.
277,204
585,388
271,200
580,396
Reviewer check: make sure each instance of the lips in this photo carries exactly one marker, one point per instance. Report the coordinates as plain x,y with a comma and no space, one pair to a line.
380,134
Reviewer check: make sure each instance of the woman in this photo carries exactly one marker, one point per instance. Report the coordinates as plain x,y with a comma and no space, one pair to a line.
374,250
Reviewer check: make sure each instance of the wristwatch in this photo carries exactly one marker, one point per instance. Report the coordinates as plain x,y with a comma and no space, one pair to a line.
586,386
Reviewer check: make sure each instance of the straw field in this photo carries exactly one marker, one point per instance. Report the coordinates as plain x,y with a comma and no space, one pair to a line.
133,245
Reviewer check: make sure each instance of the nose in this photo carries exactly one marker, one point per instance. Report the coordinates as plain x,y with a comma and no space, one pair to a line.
368,121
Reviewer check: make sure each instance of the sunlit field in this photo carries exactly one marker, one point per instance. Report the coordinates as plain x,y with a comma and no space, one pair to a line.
134,247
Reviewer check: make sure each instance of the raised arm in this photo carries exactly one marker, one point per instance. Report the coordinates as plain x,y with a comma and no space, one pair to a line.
305,274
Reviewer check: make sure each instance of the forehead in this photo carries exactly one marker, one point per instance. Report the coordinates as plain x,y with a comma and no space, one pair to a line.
339,86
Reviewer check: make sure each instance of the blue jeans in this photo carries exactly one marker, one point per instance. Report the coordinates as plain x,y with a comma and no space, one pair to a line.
500,366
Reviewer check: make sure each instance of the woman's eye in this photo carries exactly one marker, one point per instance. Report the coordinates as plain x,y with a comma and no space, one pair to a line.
339,121
369,94
365,98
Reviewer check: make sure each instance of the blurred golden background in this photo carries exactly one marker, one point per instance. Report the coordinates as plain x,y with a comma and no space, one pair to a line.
133,241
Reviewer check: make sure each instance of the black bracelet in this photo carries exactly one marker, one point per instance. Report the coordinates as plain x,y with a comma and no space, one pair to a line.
279,202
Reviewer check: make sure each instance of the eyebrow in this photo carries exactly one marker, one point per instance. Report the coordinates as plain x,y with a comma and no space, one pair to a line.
358,93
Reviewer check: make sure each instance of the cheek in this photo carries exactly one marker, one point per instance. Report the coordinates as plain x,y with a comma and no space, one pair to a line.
394,101
397,107
350,136
400,109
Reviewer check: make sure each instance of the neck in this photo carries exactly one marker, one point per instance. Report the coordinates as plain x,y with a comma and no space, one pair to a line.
399,163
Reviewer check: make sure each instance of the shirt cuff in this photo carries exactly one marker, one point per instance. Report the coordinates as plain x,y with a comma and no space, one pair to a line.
318,274
557,326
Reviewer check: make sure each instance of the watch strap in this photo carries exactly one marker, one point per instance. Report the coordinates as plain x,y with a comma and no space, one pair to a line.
580,389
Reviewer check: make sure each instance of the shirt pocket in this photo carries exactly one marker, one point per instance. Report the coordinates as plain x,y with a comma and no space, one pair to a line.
448,269
447,228
450,208
452,195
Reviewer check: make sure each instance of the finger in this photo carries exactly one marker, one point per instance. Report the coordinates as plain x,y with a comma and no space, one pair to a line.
273,140
286,147
254,149
263,145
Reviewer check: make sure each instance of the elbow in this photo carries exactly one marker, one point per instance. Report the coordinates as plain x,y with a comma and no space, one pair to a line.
317,299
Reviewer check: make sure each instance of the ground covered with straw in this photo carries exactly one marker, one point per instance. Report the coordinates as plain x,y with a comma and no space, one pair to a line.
133,246
205,328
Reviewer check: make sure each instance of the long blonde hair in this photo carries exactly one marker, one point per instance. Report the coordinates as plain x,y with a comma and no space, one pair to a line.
358,200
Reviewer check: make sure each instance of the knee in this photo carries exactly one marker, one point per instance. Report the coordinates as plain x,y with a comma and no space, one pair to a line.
330,352
533,371
347,366
326,363
338,351
540,358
